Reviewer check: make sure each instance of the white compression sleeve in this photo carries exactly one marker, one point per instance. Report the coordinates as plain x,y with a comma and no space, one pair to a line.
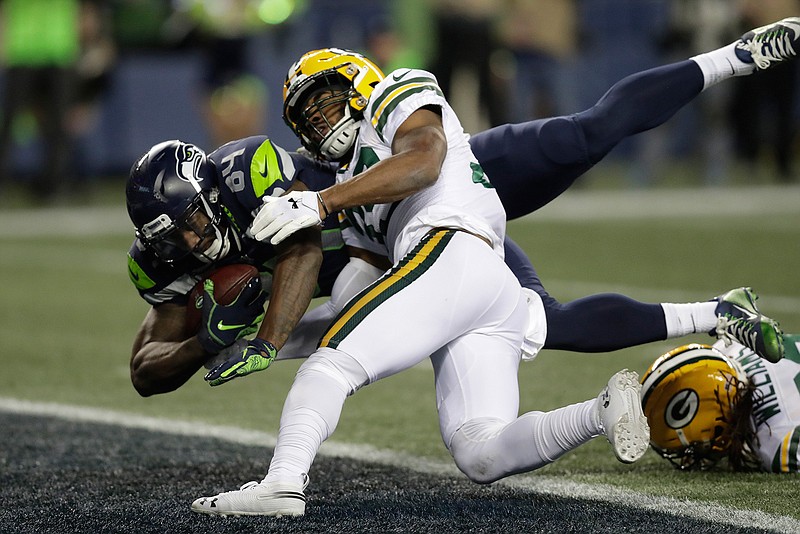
355,276
305,336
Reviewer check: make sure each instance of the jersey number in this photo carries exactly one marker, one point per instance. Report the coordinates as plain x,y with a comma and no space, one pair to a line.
479,176
235,179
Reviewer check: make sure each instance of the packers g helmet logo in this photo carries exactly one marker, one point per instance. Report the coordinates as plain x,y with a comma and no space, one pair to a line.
687,395
682,408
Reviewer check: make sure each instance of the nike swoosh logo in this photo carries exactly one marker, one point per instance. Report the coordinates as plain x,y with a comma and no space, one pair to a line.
134,275
222,326
262,169
397,78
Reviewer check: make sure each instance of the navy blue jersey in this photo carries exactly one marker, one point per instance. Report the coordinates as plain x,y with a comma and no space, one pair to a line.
246,171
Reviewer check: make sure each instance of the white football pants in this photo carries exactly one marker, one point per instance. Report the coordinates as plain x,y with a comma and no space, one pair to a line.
451,298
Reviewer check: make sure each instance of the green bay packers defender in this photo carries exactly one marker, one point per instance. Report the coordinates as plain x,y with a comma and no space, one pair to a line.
332,107
722,402
411,189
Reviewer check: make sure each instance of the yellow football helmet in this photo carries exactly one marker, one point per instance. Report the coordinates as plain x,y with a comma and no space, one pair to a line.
688,396
324,97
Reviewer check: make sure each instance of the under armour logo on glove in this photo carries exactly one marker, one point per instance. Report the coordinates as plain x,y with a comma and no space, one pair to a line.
280,217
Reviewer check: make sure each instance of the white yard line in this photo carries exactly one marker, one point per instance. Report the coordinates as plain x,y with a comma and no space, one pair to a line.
547,485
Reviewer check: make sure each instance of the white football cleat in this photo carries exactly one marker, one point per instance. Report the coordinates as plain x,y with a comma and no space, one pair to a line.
257,498
621,417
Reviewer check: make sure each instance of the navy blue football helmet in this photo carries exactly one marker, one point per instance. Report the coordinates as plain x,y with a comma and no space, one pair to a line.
171,194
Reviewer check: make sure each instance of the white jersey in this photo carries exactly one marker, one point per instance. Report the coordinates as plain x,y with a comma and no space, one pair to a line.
462,197
776,416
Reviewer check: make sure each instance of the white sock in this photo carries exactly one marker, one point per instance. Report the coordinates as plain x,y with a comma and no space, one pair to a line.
721,64
691,318
561,430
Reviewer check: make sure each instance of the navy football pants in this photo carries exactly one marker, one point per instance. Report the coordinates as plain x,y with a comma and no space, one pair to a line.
538,160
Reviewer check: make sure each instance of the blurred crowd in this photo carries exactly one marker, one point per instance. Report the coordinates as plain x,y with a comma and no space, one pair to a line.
88,85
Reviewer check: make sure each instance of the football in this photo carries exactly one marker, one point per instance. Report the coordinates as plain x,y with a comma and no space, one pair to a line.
229,281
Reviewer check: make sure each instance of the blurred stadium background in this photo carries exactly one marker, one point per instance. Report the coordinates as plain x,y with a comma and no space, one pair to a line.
206,71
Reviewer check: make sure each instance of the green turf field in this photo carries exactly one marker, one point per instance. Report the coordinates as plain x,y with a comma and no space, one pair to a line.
69,313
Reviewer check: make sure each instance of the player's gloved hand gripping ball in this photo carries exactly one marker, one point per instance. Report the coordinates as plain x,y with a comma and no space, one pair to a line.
221,325
256,356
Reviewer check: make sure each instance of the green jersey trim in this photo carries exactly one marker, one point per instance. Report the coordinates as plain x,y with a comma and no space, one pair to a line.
138,276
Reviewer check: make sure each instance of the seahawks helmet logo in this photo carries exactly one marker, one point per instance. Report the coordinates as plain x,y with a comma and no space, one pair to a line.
189,159
682,408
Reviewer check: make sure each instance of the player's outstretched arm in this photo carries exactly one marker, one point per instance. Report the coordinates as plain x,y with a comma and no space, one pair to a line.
418,151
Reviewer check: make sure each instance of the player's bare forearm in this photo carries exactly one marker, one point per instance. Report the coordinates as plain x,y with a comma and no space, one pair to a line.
161,367
163,358
293,284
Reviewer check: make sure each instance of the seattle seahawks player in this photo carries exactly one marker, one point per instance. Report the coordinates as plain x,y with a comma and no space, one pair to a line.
189,211
532,163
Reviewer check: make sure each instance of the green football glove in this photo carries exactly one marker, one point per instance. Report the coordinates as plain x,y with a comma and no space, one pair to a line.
256,356
222,325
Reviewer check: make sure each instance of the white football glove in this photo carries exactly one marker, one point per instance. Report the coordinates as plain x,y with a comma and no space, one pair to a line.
280,217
